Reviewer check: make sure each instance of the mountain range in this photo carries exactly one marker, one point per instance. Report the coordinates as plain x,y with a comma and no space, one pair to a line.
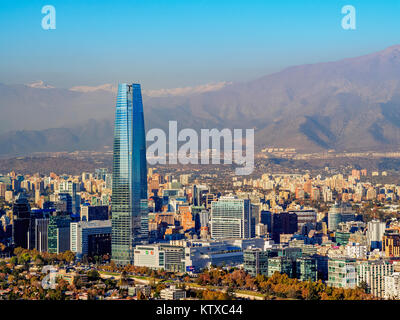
347,105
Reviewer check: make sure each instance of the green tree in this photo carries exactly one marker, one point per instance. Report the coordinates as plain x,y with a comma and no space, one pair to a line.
93,275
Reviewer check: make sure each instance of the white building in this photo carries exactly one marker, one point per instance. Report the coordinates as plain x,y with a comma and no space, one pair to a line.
194,255
160,256
230,217
172,293
373,274
357,251
375,232
392,286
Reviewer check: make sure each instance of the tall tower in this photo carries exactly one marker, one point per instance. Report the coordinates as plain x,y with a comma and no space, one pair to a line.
129,183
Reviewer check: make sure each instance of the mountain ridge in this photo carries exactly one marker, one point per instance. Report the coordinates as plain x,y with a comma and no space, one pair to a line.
351,104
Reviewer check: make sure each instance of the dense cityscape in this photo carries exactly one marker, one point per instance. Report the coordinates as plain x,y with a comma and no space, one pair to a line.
276,236
199,158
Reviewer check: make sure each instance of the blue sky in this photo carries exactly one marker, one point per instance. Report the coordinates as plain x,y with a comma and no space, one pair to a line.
168,43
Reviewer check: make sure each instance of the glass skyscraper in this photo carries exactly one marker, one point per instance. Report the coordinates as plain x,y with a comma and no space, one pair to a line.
230,218
129,183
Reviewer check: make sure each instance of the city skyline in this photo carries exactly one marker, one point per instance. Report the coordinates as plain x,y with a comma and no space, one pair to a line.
259,162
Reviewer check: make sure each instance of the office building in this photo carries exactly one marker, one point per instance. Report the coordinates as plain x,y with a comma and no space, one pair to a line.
41,229
342,238
266,219
342,273
21,221
340,212
283,223
58,234
306,269
160,256
129,182
91,238
255,261
375,231
89,213
282,265
230,218
198,194
68,191
306,220
356,251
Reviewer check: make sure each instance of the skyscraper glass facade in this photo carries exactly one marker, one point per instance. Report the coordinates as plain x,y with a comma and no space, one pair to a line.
230,218
129,184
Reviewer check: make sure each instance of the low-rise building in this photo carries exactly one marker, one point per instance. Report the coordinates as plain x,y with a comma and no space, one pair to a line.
172,293
144,289
71,276
160,256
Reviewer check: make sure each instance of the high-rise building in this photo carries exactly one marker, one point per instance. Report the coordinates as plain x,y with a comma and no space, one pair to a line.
129,183
375,231
89,213
91,237
3,189
283,223
198,192
339,212
21,222
266,219
58,234
373,274
230,218
391,244
68,190
392,286
306,219
41,228
108,180
36,232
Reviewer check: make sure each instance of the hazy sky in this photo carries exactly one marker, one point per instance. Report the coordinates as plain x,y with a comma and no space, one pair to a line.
166,44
